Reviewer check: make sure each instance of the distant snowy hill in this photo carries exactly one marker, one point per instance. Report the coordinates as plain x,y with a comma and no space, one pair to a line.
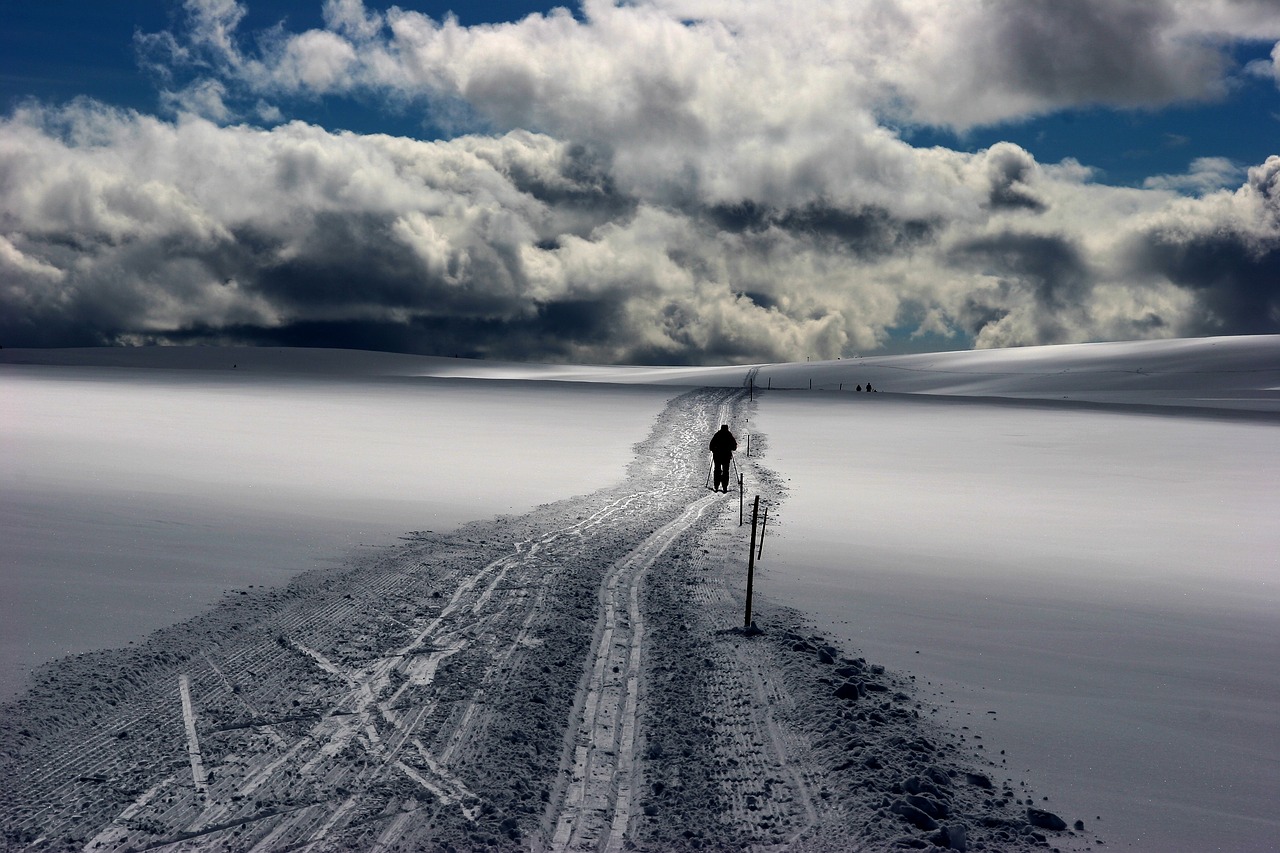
1223,372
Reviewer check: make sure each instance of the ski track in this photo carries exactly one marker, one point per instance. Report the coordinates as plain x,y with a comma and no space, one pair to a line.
488,688
362,721
597,806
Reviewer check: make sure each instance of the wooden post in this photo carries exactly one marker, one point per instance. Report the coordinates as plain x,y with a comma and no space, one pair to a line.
764,524
751,563
739,499
748,444
770,387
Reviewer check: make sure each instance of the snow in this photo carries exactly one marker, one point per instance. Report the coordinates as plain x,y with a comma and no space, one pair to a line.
1078,538
1106,581
134,498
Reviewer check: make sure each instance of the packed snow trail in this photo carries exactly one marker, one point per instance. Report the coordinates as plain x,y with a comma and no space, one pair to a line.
563,680
598,804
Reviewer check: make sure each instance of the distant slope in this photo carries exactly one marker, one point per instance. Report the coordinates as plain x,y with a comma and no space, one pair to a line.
1223,372
1240,373
278,360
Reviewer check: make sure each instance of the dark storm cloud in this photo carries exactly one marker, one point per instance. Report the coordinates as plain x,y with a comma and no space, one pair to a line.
1048,268
1100,51
866,232
1236,282
1051,266
583,183
555,332
1011,170
461,337
353,262
1228,257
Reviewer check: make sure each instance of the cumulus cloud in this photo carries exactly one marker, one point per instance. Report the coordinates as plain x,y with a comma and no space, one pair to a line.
204,98
726,100
970,62
1225,249
1205,175
658,181
1268,70
132,228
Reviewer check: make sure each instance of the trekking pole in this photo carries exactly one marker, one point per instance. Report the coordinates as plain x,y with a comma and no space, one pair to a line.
709,467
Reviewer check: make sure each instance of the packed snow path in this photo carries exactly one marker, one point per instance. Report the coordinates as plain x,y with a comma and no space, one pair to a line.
597,806
564,680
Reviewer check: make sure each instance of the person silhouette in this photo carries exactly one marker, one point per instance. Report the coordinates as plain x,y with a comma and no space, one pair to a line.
722,446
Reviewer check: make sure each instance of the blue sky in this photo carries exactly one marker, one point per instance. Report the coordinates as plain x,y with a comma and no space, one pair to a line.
1130,145
661,180
60,49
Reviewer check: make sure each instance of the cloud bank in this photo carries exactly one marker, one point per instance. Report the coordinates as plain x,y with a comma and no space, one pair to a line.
664,181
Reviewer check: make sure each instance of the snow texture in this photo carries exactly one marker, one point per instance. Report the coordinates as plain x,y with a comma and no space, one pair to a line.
993,618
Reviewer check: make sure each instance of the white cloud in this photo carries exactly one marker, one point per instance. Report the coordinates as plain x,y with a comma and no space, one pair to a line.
213,26
350,18
12,259
1206,174
665,180
204,98
692,64
1267,70
724,100
315,61
527,246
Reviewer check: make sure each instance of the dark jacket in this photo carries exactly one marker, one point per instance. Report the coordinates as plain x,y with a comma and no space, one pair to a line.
723,444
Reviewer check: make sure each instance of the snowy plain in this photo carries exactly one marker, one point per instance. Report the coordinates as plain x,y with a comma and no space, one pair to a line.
133,499
1101,570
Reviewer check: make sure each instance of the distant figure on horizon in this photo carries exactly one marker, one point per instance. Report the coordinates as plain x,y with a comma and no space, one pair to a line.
722,446
869,388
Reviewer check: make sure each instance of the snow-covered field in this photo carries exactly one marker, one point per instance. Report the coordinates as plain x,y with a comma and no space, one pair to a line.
134,498
1108,582
1080,539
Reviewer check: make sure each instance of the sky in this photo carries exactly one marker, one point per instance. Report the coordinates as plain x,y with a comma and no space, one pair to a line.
655,181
